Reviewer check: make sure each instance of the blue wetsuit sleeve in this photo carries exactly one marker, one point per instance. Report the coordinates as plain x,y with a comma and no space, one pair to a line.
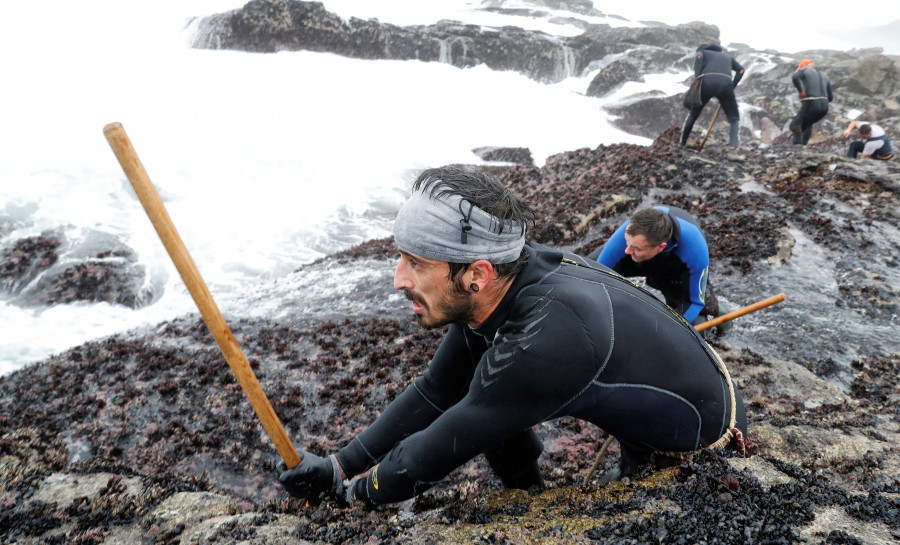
693,251
614,249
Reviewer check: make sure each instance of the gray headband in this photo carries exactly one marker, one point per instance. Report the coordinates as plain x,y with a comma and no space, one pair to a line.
448,228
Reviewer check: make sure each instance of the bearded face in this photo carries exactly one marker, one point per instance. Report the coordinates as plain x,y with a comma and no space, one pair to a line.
436,298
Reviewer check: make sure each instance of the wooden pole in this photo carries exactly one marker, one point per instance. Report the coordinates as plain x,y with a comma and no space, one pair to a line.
709,130
700,327
153,205
587,478
740,312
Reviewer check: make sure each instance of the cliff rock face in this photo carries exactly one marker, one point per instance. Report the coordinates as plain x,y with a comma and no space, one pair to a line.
863,80
289,25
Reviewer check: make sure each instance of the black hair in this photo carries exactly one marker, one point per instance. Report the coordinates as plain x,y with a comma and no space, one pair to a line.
488,194
865,129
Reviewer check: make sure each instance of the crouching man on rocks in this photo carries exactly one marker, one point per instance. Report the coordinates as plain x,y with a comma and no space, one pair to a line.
872,143
666,245
534,334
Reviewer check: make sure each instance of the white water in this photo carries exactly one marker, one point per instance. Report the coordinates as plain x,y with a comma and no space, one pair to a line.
265,162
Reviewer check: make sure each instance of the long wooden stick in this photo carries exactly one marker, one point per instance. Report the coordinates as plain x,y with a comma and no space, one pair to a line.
740,312
153,205
700,327
709,130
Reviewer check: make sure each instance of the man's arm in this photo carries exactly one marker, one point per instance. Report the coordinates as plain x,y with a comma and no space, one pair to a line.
694,252
850,127
614,249
738,72
699,63
799,81
444,383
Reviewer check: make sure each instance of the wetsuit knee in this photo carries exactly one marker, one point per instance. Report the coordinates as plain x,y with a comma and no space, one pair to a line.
514,460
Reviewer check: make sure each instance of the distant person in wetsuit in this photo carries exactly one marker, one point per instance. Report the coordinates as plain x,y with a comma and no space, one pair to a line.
665,245
814,91
534,334
715,66
873,141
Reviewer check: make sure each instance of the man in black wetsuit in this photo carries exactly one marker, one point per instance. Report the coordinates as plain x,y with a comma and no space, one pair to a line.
534,334
714,66
814,91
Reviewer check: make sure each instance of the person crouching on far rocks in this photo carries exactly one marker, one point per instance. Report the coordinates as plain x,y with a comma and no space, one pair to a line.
873,141
534,334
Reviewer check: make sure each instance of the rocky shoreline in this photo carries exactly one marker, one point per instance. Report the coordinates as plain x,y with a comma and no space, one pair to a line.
146,437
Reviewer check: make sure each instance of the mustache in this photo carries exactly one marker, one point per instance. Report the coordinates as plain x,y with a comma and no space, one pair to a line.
413,297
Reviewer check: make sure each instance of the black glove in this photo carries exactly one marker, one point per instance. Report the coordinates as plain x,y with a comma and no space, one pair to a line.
313,477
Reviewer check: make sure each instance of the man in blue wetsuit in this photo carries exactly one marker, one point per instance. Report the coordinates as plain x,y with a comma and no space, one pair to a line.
665,245
714,66
815,93
534,334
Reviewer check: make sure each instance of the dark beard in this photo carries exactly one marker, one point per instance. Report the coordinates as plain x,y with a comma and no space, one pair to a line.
457,306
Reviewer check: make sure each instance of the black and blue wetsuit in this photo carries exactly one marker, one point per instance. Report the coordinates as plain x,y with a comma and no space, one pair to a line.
569,338
680,271
815,92
715,67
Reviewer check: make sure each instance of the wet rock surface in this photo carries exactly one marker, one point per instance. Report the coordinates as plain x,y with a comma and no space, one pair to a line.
519,156
146,437
49,269
25,260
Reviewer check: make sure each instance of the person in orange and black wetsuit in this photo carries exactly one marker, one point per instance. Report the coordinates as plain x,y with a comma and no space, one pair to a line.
815,93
